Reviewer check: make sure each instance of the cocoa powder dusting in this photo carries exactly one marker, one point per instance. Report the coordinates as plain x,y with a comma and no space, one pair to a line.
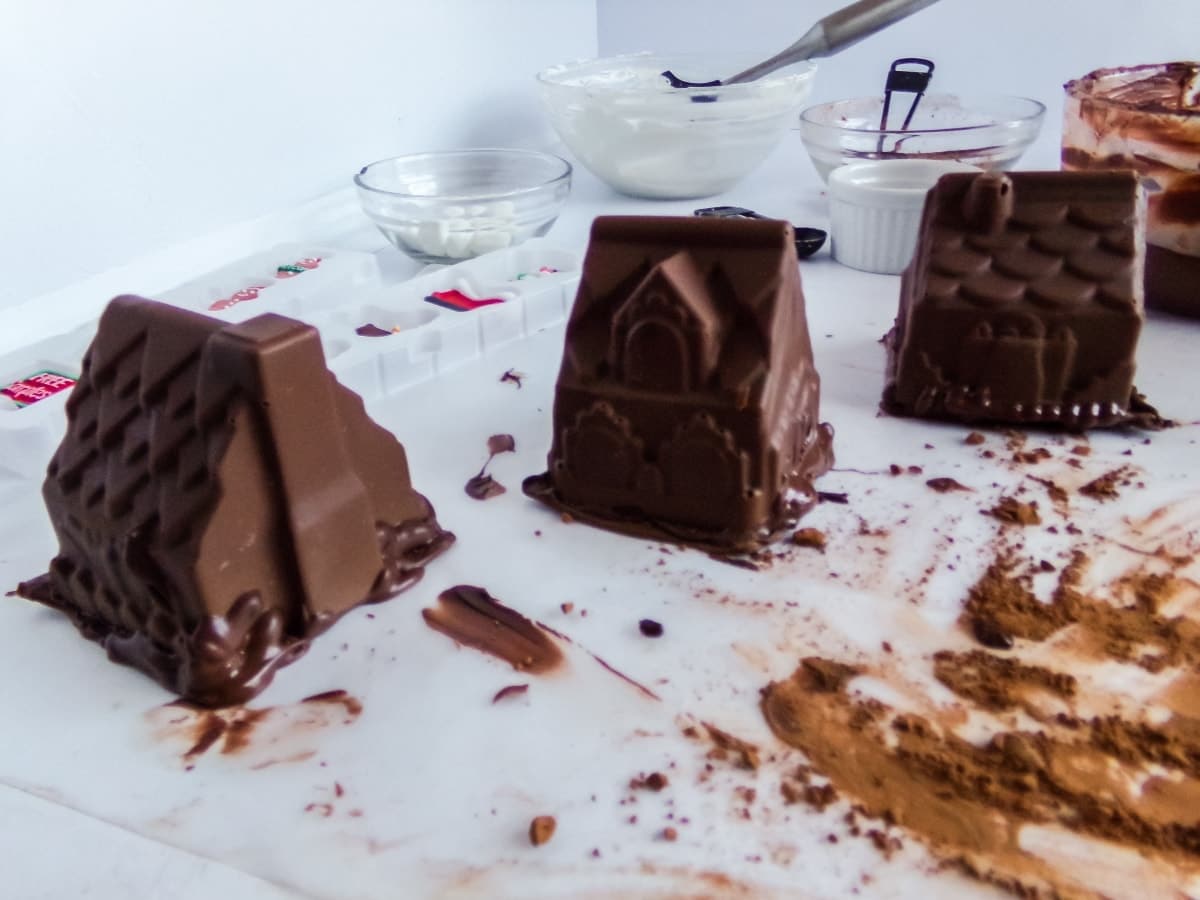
996,682
1001,603
1013,512
1105,487
969,802
746,754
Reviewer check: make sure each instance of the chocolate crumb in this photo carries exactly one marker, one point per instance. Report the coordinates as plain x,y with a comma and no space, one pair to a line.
513,376
1105,487
990,634
832,497
541,829
1014,512
974,438
887,648
655,781
567,607
650,628
669,834
810,537
895,469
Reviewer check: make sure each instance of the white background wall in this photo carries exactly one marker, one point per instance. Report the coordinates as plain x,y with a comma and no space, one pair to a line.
127,126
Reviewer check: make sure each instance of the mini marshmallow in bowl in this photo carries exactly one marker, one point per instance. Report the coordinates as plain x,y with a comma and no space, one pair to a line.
456,205
875,210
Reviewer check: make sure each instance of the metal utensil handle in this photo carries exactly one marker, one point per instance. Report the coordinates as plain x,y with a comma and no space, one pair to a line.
836,32
848,26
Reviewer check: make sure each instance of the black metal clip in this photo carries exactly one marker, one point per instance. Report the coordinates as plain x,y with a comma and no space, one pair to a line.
904,81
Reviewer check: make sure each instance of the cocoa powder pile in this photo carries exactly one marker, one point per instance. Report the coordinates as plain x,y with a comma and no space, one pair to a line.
1108,778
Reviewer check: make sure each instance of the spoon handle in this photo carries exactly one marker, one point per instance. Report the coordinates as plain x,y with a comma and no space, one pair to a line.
836,32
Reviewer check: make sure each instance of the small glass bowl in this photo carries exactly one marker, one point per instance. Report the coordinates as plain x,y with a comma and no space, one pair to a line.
445,207
988,132
630,128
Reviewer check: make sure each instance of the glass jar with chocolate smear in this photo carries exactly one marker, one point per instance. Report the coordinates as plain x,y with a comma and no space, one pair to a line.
1147,118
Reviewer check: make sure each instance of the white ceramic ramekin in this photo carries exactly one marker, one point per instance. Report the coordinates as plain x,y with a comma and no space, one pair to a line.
875,210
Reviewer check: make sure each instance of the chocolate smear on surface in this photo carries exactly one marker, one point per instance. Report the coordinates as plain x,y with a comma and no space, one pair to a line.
370,330
512,376
483,486
470,615
945,485
501,443
349,702
512,690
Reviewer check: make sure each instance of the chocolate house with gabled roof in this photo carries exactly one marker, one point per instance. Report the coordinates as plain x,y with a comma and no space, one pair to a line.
687,403
1023,303
219,499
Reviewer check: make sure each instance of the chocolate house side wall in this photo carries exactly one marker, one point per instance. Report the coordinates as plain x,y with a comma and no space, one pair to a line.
219,499
1033,316
681,452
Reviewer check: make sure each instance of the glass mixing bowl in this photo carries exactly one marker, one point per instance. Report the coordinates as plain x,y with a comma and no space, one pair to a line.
628,126
454,205
990,132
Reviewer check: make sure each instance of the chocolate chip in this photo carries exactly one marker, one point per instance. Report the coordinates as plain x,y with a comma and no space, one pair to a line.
650,628
990,634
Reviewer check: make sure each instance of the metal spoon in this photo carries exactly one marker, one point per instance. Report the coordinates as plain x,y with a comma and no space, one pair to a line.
832,34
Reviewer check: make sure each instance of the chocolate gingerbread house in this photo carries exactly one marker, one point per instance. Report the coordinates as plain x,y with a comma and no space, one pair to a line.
687,402
1023,302
219,499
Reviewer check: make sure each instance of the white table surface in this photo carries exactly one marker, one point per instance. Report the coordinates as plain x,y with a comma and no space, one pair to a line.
430,791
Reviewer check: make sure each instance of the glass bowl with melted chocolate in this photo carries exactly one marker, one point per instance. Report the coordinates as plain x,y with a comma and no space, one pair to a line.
990,132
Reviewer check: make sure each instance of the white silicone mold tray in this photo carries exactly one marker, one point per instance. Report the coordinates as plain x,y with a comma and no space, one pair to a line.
339,292
30,432
421,339
290,279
